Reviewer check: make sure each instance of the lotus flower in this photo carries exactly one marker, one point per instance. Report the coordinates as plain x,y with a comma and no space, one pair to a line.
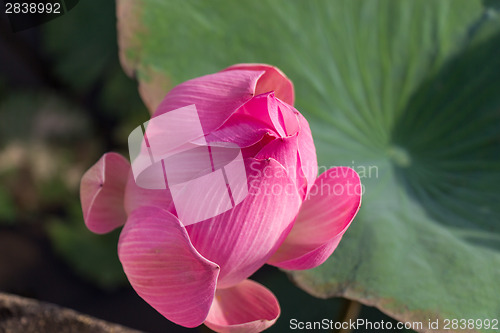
290,219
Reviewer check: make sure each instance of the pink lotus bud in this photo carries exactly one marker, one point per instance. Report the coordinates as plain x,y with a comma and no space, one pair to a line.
223,180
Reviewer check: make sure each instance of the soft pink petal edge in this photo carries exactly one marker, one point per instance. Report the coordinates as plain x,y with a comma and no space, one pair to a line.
272,80
244,308
216,96
324,217
102,191
307,152
165,269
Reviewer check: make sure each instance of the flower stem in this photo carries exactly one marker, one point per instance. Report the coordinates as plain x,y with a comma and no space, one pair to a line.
350,311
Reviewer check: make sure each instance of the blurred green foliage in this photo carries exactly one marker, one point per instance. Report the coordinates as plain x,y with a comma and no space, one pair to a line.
7,207
51,132
82,44
93,257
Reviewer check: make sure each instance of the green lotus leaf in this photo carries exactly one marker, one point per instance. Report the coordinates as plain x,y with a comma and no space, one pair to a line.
406,93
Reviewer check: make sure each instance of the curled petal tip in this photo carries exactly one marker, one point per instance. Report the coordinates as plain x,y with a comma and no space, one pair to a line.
273,79
247,307
102,191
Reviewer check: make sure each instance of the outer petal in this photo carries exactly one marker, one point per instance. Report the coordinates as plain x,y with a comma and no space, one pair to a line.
243,239
307,151
216,96
323,218
247,307
136,197
272,80
165,269
101,193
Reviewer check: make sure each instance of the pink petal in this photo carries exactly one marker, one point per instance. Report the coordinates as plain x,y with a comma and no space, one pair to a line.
245,307
261,115
289,117
165,269
101,193
323,218
272,80
216,96
242,239
265,109
242,130
284,119
136,197
253,150
285,151
198,180
307,152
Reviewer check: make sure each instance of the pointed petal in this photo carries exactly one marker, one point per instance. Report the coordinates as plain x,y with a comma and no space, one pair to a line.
165,269
272,80
242,240
245,307
307,152
285,151
323,218
101,193
253,150
261,115
242,130
264,108
216,96
289,117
